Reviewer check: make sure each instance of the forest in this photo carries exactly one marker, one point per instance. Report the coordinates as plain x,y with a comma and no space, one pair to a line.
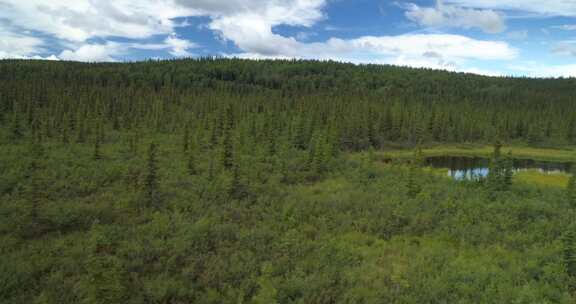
216,180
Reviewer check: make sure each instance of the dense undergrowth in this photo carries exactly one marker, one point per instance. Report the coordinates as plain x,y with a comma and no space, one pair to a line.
359,235
231,181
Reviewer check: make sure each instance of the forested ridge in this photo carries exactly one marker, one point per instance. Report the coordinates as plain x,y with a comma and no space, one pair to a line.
238,181
372,104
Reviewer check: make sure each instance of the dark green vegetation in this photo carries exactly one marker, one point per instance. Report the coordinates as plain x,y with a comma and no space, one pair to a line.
227,181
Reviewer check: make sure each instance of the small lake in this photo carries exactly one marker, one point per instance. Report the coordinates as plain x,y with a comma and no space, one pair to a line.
472,168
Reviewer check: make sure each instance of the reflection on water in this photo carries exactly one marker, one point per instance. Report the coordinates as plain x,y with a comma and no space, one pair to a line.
473,168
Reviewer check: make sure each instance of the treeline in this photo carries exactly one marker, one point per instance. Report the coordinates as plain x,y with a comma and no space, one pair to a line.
353,107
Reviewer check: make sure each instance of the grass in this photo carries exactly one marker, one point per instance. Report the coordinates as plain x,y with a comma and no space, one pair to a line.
535,177
531,177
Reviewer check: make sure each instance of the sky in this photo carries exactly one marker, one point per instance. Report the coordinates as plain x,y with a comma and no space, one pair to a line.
534,38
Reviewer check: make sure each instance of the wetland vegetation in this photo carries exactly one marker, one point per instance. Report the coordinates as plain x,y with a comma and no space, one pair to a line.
234,181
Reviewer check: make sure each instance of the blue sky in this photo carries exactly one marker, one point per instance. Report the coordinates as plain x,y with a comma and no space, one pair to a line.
493,37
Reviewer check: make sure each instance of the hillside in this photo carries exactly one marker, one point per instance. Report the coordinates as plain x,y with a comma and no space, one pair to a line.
235,181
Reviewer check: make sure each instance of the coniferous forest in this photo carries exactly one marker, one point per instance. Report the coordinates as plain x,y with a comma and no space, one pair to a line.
236,181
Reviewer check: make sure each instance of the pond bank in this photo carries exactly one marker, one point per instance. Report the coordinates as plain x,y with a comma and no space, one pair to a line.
565,154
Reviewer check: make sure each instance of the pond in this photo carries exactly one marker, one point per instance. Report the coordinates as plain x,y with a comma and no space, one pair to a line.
472,168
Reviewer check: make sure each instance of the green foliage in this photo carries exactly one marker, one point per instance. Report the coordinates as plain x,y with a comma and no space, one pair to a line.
151,181
569,253
267,294
266,204
571,188
501,171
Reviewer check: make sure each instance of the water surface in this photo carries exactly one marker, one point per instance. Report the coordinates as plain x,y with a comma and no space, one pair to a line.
472,168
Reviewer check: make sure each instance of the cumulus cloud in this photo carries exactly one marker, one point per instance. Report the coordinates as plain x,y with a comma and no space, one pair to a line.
81,20
443,15
15,45
111,51
246,23
92,52
438,51
76,22
251,31
179,47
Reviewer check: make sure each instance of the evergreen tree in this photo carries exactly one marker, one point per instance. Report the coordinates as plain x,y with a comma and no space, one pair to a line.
81,135
569,253
36,186
571,188
236,190
97,155
186,139
508,170
501,171
36,130
104,281
191,163
212,167
412,186
416,163
16,132
151,184
419,160
98,136
228,141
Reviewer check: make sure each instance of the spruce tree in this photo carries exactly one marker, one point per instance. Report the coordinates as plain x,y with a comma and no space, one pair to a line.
571,188
16,132
500,174
417,162
191,163
36,187
186,139
81,135
97,155
36,130
151,184
236,190
98,136
569,253
508,170
228,140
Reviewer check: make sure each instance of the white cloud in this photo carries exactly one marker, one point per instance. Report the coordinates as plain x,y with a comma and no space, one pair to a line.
538,7
443,15
448,46
73,23
80,20
272,12
251,31
438,51
567,48
14,45
111,51
566,27
179,47
535,69
92,52
249,23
